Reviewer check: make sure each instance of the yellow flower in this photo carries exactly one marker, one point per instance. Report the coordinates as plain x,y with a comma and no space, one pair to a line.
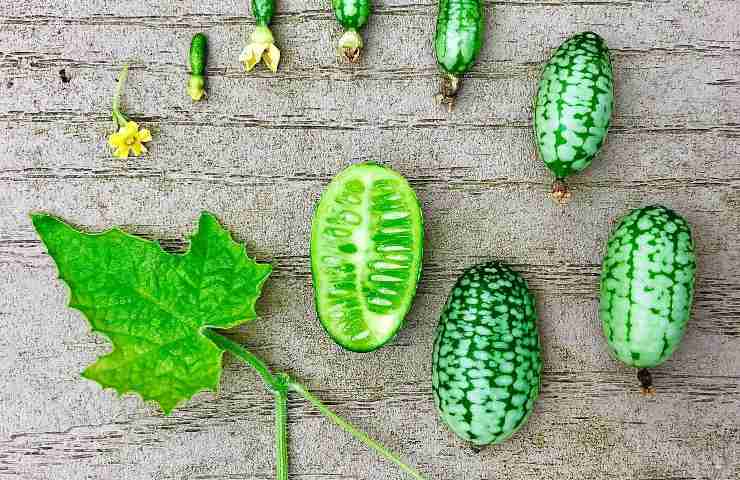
129,139
261,47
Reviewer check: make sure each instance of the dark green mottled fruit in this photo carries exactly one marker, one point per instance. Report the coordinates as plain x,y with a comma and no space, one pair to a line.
487,364
353,15
198,54
574,104
647,286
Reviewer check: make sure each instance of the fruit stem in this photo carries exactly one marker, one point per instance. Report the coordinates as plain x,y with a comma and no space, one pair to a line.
448,90
560,192
351,45
646,382
280,384
354,431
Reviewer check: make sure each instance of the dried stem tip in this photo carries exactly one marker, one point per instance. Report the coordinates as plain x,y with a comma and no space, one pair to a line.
560,192
646,382
351,45
448,90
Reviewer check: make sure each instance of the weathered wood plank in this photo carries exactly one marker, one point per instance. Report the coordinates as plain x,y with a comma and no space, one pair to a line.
705,87
494,216
521,34
438,159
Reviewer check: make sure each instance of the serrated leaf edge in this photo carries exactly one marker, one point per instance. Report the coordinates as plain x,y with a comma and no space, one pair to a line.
121,392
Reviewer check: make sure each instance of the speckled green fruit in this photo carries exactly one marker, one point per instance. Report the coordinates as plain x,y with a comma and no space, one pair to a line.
351,14
487,364
574,104
459,34
647,286
197,57
367,241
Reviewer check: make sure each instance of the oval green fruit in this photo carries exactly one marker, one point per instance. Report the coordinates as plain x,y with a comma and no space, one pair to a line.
459,34
367,240
457,41
487,364
647,286
574,104
197,57
353,15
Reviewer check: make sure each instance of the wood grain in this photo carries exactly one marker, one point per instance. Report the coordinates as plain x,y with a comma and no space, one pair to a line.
259,152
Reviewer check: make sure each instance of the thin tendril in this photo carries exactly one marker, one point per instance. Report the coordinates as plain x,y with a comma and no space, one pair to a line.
354,431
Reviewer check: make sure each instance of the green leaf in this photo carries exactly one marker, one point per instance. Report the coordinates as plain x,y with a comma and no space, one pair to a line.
154,306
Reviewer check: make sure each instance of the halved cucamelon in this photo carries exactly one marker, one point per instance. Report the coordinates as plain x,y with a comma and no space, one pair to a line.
366,249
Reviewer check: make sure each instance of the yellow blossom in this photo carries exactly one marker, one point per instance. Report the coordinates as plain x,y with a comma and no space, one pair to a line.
129,140
261,47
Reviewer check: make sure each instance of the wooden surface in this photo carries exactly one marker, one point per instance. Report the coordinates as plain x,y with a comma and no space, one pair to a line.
259,152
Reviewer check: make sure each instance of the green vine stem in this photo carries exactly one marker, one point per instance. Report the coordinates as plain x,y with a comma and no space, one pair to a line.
255,362
354,431
281,434
280,384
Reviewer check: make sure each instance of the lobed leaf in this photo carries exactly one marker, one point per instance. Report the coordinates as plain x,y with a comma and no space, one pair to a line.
154,306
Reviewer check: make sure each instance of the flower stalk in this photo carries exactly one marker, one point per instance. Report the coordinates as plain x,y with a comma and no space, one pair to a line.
128,139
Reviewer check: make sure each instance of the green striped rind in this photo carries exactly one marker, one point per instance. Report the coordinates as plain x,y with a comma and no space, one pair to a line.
487,364
647,286
459,35
263,10
351,14
367,243
574,104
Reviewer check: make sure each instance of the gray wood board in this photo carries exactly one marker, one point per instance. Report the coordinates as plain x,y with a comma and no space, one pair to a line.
259,152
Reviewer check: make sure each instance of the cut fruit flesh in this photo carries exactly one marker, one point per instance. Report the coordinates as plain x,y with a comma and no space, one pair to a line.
366,248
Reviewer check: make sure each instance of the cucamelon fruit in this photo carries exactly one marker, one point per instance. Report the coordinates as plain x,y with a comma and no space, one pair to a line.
487,364
647,287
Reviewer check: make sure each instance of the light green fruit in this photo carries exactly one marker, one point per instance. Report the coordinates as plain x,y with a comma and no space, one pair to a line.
647,286
574,104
